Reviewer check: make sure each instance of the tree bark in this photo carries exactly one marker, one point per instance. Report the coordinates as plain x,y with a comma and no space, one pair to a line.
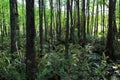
78,13
67,31
84,22
111,33
72,27
30,36
41,26
13,24
92,18
88,17
45,21
96,21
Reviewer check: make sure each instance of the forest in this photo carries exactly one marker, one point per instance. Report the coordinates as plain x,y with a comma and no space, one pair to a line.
59,39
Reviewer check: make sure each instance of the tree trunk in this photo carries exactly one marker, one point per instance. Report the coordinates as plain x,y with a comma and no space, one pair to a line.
119,20
78,13
103,17
41,26
51,24
45,21
59,19
30,36
13,24
96,21
111,33
92,18
23,17
72,27
88,17
84,22
67,31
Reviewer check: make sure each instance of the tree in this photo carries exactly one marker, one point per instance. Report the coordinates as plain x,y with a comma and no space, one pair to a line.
3,20
51,23
78,13
119,19
92,17
41,6
96,20
45,21
1,40
88,17
111,33
71,20
13,24
58,20
67,31
103,17
59,3
2,25
23,17
84,23
30,36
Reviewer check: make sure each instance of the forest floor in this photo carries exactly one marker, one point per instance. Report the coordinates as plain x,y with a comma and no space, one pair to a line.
88,63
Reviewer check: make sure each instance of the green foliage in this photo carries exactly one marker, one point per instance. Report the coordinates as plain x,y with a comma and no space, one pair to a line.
83,63
11,70
88,63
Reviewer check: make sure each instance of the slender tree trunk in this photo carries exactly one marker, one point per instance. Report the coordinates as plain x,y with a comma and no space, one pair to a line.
103,17
51,23
111,34
13,24
4,22
1,33
72,27
75,16
78,13
115,25
84,22
96,21
92,18
30,36
17,27
88,18
23,17
119,19
67,31
41,26
59,19
45,21
2,27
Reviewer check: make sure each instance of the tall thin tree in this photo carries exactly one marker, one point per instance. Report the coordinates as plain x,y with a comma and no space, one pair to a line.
78,13
71,20
45,20
41,7
92,17
67,31
13,24
111,33
30,36
88,17
51,23
59,3
84,22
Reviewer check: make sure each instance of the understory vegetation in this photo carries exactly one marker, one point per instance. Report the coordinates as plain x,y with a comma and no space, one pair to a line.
89,63
59,39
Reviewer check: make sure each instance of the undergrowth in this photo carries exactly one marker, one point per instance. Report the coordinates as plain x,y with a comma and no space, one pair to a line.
87,63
